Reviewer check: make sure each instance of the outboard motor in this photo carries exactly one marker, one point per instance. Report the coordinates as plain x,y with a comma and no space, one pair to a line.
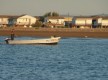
7,39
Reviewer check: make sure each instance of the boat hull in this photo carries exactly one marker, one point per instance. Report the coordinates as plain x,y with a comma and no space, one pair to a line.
50,41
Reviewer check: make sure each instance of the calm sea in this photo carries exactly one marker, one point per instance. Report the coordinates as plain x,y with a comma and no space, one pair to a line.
71,59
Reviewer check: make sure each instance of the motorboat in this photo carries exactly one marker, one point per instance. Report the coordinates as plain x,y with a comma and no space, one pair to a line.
53,40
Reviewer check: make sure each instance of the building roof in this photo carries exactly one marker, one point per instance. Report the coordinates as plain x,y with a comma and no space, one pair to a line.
55,17
82,16
5,16
15,17
105,18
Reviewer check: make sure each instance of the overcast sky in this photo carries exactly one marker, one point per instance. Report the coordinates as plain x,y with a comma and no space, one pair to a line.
40,7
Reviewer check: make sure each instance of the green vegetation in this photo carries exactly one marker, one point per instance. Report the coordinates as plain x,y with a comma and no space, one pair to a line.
51,14
37,24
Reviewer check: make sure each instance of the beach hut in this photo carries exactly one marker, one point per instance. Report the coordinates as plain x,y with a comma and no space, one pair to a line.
54,21
4,20
82,22
105,22
22,20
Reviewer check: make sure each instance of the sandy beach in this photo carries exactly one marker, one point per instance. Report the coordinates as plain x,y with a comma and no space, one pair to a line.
62,32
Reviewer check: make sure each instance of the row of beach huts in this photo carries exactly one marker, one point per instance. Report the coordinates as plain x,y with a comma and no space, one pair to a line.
97,21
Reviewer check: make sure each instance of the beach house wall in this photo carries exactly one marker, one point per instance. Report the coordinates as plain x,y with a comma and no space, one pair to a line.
25,20
104,22
4,20
68,20
82,22
54,21
100,22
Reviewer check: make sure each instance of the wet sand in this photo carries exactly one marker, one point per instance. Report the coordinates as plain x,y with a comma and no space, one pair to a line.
47,32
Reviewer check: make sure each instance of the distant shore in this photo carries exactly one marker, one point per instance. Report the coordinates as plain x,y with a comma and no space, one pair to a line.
62,32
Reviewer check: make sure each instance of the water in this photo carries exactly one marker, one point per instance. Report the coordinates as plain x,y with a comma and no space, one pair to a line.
71,59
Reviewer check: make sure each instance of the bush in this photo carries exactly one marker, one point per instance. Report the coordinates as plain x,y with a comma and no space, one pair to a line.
37,24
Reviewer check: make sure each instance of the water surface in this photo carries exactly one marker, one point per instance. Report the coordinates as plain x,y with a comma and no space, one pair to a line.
71,59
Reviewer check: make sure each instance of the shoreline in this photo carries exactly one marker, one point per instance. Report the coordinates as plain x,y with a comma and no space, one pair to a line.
47,32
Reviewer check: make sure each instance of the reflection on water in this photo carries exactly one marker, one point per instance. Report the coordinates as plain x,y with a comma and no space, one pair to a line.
71,59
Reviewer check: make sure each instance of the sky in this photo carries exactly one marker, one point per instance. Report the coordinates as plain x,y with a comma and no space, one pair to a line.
63,7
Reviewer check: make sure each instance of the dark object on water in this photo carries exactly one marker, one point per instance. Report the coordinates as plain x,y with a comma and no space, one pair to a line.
6,40
12,36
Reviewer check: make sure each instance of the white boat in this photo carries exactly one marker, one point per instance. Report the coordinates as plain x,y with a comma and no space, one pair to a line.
52,40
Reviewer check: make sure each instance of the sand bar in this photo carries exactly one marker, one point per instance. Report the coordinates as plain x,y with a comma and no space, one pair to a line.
62,32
